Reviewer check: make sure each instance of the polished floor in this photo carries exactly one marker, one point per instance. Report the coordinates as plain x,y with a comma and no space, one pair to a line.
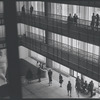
43,90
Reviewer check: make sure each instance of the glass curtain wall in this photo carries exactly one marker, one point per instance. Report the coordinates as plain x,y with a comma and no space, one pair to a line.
90,51
30,31
83,12
76,45
37,5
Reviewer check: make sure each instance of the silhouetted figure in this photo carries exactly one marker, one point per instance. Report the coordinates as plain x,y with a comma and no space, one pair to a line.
97,20
69,88
50,76
85,86
60,80
23,10
29,76
39,74
75,17
91,88
69,20
78,85
31,9
93,20
82,82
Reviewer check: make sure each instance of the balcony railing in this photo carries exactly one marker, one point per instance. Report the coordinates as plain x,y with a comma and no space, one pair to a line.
59,17
65,47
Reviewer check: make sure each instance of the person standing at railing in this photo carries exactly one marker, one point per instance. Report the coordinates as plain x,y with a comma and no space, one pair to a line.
31,9
23,10
97,20
69,20
93,20
75,17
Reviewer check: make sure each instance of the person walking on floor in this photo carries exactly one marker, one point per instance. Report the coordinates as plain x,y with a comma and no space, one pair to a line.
69,88
60,80
77,85
39,74
91,88
50,76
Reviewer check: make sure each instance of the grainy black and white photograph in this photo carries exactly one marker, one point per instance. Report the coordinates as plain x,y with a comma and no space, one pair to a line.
49,49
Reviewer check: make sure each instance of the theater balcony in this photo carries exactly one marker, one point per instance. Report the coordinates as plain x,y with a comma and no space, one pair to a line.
74,58
58,24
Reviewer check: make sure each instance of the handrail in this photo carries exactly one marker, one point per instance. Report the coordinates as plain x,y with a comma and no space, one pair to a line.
63,46
59,17
79,23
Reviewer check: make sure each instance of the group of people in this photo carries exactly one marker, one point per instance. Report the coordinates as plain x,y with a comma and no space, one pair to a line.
84,87
31,9
41,67
95,20
72,18
81,85
29,74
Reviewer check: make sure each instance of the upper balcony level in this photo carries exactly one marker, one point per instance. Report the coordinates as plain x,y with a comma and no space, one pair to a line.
58,24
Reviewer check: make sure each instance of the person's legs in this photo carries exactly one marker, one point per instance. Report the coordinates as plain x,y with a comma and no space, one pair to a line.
39,79
70,93
49,81
60,84
91,93
77,92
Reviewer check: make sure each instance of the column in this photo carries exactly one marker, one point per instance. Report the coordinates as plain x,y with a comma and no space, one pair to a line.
12,49
48,34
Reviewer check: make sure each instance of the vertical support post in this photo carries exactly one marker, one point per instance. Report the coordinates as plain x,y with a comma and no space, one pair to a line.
12,49
47,7
47,34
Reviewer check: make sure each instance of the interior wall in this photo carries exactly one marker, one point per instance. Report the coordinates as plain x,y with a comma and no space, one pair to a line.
23,52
